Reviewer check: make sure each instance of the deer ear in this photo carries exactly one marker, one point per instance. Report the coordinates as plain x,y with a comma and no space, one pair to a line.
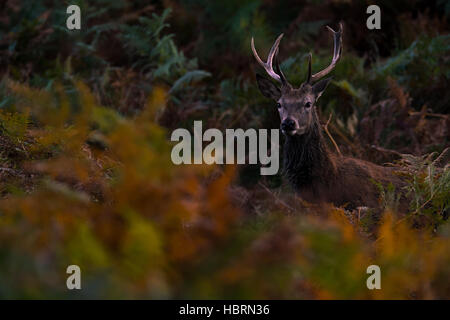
268,88
320,87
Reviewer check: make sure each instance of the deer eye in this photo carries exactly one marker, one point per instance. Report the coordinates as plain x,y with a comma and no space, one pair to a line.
308,105
278,105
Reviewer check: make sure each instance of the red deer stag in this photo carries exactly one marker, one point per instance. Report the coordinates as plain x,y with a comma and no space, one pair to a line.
316,173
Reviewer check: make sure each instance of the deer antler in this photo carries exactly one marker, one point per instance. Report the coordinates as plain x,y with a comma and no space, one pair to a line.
337,50
278,74
268,65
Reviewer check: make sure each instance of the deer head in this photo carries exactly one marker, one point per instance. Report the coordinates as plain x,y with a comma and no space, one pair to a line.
296,105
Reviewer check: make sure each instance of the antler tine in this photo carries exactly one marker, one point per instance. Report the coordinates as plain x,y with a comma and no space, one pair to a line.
308,80
278,70
337,35
272,53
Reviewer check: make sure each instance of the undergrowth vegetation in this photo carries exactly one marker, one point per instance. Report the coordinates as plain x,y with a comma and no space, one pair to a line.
86,176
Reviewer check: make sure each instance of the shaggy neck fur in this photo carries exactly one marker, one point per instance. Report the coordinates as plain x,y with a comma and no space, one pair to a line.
307,162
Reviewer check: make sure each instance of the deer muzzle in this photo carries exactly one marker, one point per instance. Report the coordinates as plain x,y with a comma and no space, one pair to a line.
289,126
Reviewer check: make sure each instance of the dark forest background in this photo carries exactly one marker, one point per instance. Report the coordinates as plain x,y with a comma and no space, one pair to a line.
85,170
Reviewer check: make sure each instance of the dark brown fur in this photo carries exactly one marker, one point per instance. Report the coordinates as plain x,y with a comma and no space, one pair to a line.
321,176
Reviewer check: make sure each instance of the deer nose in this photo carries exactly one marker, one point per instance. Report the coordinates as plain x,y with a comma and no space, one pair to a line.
288,125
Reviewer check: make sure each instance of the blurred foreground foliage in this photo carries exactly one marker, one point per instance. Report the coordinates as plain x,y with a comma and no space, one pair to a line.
140,227
86,176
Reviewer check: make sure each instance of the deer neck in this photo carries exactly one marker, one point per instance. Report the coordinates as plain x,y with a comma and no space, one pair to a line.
307,161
